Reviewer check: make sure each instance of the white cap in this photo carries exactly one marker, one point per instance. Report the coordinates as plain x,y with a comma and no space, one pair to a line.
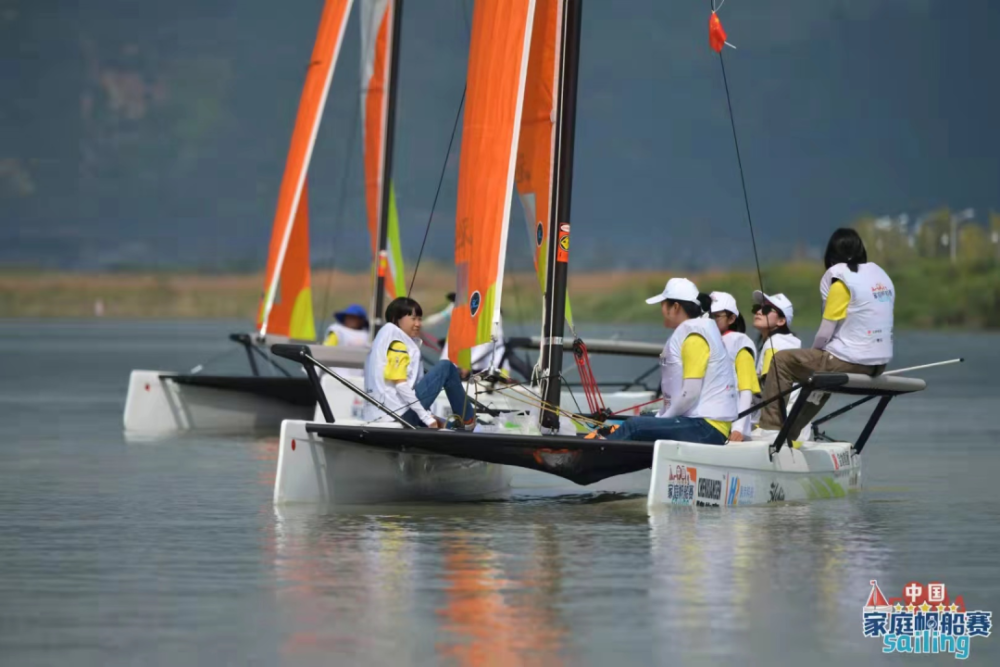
779,301
723,301
677,289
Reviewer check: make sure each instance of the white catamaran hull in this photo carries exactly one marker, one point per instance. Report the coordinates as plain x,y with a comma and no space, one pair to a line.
742,474
157,405
312,469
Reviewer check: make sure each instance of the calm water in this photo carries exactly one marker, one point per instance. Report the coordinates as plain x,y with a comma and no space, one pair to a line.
171,553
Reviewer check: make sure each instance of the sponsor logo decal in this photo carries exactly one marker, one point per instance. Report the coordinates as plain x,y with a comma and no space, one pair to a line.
680,484
739,492
475,301
709,489
539,235
923,620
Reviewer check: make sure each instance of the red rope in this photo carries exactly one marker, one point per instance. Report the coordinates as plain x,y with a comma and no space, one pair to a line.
641,405
590,389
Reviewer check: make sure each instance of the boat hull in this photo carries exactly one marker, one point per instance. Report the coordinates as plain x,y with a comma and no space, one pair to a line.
743,474
162,403
321,470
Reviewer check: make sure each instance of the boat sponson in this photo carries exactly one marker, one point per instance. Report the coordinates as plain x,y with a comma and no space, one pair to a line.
579,460
295,391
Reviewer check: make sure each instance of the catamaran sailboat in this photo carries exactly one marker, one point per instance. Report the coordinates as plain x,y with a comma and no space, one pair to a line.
345,461
161,402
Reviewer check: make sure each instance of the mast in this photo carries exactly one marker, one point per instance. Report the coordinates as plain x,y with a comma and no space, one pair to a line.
381,254
554,315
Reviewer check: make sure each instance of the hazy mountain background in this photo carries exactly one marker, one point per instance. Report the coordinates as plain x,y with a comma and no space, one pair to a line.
137,134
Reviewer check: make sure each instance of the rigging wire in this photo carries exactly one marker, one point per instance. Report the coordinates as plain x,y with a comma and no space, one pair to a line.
437,192
447,155
746,197
341,205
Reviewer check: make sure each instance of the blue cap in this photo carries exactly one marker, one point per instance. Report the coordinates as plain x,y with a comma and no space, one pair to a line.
353,309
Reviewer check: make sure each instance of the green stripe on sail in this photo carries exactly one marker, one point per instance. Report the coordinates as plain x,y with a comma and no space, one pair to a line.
394,247
484,320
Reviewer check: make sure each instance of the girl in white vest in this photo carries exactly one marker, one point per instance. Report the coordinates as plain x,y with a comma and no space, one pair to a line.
349,329
855,335
772,318
395,377
743,354
696,375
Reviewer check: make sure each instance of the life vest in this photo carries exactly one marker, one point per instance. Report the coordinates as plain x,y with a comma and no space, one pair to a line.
375,383
347,337
780,342
865,336
718,392
736,341
777,342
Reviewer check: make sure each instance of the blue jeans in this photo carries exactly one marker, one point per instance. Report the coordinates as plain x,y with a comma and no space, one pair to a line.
445,376
685,429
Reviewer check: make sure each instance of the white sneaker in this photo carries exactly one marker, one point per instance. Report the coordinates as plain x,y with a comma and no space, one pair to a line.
765,434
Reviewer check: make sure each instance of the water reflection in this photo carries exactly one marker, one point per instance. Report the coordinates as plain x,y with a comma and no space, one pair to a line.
344,584
723,579
493,614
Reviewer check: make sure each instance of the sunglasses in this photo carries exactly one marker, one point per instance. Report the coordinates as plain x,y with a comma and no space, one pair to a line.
767,309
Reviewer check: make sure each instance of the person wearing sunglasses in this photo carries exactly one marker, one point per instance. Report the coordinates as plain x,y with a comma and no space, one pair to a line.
742,353
772,318
696,375
855,335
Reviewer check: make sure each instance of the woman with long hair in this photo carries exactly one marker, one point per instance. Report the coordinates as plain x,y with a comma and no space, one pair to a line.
855,335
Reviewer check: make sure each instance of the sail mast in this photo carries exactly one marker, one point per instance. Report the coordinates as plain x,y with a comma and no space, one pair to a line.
554,316
381,244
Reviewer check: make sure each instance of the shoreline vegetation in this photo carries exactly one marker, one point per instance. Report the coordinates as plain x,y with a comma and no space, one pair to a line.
930,293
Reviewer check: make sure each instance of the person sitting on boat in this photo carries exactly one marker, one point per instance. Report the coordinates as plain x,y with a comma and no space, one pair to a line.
350,327
743,354
394,375
696,375
772,318
855,335
442,316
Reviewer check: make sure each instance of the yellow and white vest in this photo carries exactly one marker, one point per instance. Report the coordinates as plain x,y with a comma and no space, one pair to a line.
375,383
736,341
347,337
718,392
865,336
777,342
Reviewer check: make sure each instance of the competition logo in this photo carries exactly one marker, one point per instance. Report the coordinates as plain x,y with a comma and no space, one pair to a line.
474,302
881,292
680,484
923,620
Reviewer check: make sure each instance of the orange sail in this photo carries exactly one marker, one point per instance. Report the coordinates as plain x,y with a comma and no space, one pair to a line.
376,54
498,64
286,308
536,148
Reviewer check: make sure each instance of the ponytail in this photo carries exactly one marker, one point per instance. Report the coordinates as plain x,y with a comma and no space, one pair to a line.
705,301
740,325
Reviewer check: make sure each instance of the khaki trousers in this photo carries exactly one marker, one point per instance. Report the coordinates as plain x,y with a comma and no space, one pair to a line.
790,366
